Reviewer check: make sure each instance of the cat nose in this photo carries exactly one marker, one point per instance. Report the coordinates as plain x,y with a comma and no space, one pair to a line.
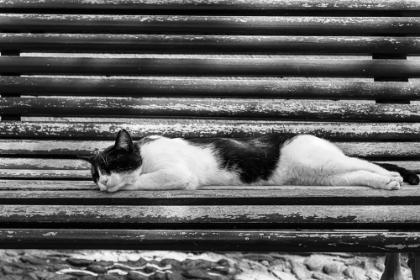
103,181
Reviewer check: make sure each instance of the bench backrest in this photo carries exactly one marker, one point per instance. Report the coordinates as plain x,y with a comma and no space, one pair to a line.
73,73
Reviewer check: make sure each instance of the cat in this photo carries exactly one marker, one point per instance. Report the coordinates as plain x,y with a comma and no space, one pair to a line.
161,163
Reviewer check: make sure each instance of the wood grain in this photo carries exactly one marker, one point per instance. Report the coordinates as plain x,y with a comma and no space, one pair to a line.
208,128
220,108
268,25
211,87
87,193
245,65
44,174
194,5
384,216
144,43
43,164
204,240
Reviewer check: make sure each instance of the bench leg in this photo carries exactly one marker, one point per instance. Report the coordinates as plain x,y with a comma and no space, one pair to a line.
414,264
393,267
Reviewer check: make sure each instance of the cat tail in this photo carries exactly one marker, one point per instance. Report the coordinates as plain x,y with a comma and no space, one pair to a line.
408,175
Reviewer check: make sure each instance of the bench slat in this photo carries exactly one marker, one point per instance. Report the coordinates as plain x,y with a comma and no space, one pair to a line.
213,240
291,25
66,192
74,147
208,128
212,66
207,43
198,107
44,174
42,163
284,216
365,5
210,86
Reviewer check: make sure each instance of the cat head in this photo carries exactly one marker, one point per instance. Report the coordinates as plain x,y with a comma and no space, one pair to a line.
116,166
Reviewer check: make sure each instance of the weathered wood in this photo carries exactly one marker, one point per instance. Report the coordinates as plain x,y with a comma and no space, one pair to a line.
64,193
208,128
41,163
245,65
195,5
207,43
211,86
198,107
410,150
44,185
203,240
44,174
289,25
381,216
208,66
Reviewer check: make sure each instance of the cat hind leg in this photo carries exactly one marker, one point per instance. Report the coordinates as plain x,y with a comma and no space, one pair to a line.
363,178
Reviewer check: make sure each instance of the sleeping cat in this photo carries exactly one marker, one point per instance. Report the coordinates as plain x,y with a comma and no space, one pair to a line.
157,162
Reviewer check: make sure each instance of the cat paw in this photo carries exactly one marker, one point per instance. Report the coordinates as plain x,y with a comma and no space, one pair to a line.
393,185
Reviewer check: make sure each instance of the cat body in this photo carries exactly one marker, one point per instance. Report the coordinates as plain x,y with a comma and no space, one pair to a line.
161,163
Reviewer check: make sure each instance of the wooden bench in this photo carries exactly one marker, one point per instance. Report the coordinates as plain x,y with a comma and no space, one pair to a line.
73,73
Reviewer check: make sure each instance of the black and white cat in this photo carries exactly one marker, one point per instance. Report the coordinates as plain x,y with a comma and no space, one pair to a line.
161,163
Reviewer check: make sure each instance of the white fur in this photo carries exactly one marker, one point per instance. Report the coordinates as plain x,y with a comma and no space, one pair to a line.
304,160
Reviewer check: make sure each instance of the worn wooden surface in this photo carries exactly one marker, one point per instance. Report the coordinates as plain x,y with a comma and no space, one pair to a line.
208,128
228,240
87,193
241,65
229,59
211,87
380,216
195,5
268,25
42,163
199,107
207,43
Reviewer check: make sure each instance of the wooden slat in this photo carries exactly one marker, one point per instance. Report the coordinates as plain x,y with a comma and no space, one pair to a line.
78,147
214,240
44,174
43,164
207,43
209,128
86,193
245,65
44,185
367,5
285,216
211,24
198,107
210,86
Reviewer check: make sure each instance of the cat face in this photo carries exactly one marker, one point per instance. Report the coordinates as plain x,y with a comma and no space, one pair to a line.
117,166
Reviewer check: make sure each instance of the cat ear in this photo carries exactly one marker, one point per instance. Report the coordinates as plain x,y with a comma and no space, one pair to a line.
89,159
124,141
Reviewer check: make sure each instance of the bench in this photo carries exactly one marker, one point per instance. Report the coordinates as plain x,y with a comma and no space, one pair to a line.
73,73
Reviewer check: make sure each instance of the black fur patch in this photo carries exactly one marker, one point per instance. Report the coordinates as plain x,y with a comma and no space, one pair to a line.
408,175
254,158
113,160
